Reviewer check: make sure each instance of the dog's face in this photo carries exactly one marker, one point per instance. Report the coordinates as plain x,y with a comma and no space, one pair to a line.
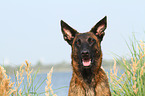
86,49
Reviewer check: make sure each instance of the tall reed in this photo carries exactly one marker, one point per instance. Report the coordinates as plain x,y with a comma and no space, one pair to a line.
48,88
8,88
5,83
132,81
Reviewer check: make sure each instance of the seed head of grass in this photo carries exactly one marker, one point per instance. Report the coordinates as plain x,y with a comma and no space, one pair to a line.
20,78
131,81
5,83
28,71
7,88
48,88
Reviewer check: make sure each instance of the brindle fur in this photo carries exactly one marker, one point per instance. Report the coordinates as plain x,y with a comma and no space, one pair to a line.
92,80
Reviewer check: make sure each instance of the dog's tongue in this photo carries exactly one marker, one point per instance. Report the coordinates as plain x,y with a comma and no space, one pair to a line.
86,62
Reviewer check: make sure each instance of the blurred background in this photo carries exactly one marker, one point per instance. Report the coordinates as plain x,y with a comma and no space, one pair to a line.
30,29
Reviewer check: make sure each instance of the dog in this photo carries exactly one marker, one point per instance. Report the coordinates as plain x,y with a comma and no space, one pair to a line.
88,78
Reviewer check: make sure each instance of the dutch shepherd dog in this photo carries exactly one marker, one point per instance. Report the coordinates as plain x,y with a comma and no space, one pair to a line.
88,78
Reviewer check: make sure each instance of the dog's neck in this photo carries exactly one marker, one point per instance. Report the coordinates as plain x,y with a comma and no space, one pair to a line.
87,75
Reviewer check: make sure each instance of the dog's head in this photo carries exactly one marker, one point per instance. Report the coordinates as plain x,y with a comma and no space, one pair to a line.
86,48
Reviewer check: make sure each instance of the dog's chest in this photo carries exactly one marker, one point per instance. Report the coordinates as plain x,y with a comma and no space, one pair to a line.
90,91
89,88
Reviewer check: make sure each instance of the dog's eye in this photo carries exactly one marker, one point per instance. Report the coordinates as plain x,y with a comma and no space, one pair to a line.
78,42
91,41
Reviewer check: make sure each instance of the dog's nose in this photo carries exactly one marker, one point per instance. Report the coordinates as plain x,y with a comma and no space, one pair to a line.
85,52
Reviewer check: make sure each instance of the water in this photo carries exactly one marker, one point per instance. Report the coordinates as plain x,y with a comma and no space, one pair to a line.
61,79
60,82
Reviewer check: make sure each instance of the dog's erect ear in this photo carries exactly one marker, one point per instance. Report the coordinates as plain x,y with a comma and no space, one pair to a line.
68,32
99,28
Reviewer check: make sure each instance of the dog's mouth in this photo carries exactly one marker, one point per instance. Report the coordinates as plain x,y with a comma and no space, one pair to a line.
86,62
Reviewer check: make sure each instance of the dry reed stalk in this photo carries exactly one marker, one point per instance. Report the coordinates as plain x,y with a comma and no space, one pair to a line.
134,67
113,73
28,71
48,88
135,89
131,82
5,84
114,68
20,92
142,70
20,78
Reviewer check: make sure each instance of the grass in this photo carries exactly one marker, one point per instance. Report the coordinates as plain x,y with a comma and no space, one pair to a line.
132,81
8,88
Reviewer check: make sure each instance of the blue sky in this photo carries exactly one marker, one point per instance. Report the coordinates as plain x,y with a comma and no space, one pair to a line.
30,29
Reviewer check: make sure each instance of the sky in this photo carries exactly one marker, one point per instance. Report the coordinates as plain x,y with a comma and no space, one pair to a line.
30,29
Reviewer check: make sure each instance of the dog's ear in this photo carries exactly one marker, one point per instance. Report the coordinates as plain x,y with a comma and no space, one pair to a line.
99,28
68,32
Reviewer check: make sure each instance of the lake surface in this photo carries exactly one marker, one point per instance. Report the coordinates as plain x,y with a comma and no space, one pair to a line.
60,82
